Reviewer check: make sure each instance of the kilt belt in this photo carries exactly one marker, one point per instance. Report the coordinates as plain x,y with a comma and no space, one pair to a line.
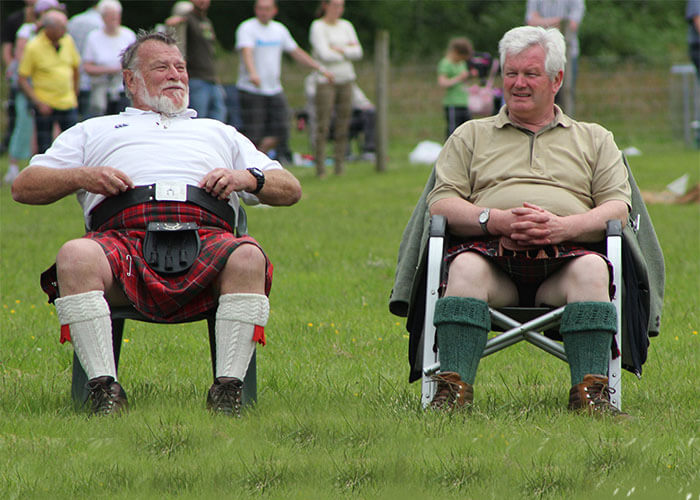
144,194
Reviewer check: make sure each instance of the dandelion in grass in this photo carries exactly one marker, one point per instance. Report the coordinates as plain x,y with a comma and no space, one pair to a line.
675,338
32,306
126,341
17,301
695,332
309,325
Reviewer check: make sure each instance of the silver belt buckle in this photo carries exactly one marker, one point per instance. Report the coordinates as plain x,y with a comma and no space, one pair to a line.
171,191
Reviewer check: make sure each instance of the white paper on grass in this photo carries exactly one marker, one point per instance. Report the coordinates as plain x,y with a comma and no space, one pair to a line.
425,152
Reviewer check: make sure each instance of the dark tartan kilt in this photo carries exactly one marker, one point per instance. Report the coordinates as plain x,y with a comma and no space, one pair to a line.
171,298
528,269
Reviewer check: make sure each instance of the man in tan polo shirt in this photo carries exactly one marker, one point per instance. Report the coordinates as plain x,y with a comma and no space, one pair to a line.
528,191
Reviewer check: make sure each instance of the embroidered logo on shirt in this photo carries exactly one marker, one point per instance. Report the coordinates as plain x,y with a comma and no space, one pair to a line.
120,125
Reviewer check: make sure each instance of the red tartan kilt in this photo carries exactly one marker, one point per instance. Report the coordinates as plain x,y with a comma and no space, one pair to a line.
528,269
171,298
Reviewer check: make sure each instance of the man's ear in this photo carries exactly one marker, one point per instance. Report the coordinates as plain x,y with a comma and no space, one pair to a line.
128,78
558,80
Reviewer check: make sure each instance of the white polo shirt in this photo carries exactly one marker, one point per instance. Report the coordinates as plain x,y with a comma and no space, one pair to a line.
150,147
268,41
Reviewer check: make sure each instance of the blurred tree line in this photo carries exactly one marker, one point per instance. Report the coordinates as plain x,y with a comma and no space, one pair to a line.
612,30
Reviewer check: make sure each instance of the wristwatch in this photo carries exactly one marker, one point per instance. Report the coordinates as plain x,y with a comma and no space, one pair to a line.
259,177
484,219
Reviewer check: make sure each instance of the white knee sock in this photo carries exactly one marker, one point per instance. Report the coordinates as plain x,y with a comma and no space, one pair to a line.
236,318
87,315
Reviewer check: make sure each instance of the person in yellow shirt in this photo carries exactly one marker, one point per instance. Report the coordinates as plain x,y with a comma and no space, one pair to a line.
49,76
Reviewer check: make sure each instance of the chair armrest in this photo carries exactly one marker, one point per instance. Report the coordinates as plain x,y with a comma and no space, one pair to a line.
613,227
438,226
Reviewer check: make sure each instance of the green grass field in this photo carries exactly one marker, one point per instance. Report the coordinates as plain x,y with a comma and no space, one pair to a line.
336,416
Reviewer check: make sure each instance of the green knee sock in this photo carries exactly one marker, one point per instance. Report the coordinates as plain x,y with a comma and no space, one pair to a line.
462,325
587,329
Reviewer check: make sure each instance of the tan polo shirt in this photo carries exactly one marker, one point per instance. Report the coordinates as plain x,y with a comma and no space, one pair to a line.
566,168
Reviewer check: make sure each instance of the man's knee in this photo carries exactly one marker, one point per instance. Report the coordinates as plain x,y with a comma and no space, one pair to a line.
81,265
586,278
589,271
472,275
244,272
78,255
246,259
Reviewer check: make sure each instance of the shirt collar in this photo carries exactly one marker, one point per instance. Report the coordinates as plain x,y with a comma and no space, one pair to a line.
560,119
188,113
45,39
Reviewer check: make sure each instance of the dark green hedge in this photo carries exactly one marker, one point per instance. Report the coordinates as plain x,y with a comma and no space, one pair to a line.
645,30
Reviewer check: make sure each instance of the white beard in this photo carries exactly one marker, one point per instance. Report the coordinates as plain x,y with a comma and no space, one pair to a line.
160,103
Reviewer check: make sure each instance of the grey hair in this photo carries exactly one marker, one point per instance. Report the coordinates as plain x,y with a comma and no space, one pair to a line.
129,55
551,40
109,5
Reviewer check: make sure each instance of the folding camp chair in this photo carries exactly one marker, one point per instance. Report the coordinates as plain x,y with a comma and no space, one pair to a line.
639,294
79,390
519,323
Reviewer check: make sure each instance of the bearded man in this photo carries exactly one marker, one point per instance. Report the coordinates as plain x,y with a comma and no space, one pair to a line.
154,164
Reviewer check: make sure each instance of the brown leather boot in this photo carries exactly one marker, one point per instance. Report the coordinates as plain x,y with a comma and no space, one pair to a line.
451,392
593,396
225,396
107,396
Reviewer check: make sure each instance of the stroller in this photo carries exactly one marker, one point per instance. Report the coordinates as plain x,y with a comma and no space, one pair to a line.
484,99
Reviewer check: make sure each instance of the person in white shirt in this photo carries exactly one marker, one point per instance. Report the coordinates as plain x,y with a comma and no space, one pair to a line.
100,57
334,43
79,27
261,41
180,172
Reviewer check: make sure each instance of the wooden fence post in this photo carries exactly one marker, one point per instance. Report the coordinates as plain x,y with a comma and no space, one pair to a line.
381,66
567,90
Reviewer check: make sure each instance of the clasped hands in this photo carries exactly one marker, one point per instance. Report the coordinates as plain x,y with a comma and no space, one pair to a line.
529,226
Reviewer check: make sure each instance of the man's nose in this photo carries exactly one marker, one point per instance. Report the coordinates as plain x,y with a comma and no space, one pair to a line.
173,73
519,81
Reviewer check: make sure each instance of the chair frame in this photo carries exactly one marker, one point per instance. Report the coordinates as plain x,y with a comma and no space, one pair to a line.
80,392
519,323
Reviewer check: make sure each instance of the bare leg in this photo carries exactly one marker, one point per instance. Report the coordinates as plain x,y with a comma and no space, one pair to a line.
82,266
472,275
583,279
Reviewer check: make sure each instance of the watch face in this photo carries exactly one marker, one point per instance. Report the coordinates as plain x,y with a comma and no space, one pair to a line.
484,216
